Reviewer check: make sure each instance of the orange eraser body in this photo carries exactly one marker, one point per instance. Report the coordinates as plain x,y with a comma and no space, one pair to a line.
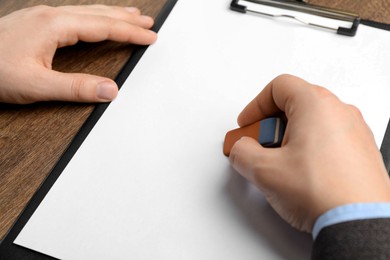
268,132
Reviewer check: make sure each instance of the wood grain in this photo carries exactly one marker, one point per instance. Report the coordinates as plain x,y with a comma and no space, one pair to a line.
373,10
33,137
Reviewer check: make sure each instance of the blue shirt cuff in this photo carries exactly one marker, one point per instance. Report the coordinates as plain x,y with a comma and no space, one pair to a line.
350,212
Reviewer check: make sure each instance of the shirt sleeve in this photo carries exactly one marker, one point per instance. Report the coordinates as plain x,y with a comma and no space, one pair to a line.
350,212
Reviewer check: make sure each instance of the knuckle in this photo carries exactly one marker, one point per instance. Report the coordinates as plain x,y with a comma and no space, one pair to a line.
44,15
234,154
325,99
239,157
355,111
353,108
75,88
45,11
237,154
323,92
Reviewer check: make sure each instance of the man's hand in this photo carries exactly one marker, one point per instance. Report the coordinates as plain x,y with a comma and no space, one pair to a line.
29,39
328,156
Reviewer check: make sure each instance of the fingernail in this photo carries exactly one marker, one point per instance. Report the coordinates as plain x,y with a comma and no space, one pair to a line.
106,90
153,34
132,9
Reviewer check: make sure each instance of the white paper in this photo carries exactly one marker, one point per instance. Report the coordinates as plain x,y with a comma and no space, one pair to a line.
150,180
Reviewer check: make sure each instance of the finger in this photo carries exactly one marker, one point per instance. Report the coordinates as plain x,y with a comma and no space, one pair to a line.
255,163
273,99
74,87
128,14
92,28
108,10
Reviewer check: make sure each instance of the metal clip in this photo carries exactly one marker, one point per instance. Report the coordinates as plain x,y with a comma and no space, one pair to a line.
300,6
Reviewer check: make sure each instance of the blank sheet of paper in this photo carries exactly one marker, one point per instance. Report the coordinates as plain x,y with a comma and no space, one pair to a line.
151,182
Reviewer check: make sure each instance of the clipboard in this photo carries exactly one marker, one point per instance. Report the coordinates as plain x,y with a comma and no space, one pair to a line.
7,248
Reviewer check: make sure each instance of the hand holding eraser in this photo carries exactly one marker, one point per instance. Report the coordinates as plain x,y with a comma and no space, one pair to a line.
268,132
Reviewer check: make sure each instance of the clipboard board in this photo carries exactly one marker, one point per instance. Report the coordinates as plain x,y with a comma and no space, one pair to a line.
7,248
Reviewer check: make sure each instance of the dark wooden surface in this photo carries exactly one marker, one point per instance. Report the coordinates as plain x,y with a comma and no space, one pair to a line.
33,137
373,10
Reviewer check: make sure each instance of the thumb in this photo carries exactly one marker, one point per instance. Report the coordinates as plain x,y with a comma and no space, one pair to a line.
255,163
76,87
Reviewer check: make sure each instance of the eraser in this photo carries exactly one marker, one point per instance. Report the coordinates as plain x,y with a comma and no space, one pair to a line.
268,132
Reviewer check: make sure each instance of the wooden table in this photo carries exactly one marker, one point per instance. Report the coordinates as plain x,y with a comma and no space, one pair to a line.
33,137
